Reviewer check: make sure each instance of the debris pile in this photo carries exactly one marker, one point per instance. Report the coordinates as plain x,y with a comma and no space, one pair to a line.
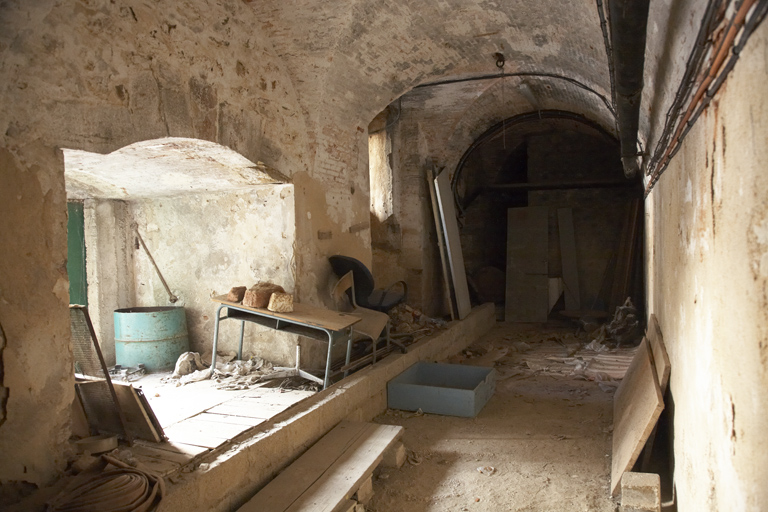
525,354
409,320
230,374
623,329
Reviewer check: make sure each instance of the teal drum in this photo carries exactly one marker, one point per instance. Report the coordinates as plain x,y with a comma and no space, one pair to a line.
155,337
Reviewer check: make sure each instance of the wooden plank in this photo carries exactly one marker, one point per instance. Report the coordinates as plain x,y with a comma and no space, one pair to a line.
158,467
175,447
154,453
662,366
140,421
568,259
281,492
440,244
453,244
636,408
327,465
625,256
659,352
302,313
349,472
527,294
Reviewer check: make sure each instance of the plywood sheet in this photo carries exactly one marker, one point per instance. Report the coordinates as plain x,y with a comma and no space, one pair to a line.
440,243
527,294
453,244
659,353
636,408
329,472
568,259
175,447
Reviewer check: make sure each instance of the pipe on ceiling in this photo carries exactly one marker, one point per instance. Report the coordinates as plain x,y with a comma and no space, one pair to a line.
629,19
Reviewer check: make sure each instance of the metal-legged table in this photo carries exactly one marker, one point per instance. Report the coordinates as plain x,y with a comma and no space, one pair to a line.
305,320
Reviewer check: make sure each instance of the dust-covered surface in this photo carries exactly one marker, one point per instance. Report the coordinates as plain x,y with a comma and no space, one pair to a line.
542,443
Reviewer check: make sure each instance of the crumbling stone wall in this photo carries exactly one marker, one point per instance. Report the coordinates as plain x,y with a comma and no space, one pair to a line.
97,76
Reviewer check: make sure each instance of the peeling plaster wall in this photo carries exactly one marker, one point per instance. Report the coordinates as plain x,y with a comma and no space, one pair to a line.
96,76
34,293
108,265
707,265
204,244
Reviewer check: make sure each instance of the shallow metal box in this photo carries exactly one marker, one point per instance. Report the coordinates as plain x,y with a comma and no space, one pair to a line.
437,388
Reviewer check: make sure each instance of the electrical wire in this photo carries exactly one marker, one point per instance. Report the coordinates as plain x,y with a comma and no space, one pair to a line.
608,50
713,80
573,81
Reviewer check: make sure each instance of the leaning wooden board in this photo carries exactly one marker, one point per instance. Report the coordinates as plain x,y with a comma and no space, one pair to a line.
636,408
327,475
659,353
445,201
527,292
569,259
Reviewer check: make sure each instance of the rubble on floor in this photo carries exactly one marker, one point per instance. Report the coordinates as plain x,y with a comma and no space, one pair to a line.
229,374
412,321
522,354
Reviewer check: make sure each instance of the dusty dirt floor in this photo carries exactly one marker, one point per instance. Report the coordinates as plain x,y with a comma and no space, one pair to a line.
543,439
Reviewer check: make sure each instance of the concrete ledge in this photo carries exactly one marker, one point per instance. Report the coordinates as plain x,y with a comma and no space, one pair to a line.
228,477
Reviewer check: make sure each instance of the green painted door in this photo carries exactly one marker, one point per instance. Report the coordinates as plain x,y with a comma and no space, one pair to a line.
78,288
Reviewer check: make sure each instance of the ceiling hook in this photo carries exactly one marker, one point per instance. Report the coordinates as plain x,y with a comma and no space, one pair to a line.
500,60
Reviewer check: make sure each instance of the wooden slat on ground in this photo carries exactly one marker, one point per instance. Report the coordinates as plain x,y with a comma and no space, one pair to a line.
177,447
154,453
636,408
159,467
330,472
165,458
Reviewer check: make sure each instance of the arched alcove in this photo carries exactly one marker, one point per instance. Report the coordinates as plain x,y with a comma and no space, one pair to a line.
210,218
559,161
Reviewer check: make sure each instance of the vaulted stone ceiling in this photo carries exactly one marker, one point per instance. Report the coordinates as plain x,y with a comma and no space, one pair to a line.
353,57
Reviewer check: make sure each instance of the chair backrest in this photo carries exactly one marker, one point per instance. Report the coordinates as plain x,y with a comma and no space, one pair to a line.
363,279
346,283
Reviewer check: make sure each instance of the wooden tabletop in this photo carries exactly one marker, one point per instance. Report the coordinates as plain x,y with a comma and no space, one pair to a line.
302,313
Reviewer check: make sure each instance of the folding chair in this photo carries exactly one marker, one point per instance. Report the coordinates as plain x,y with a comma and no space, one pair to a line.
372,325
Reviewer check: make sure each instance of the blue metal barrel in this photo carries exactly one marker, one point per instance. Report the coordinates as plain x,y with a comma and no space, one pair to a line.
154,336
